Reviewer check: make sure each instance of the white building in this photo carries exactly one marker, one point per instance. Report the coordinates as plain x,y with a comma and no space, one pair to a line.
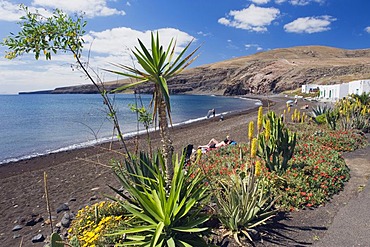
334,92
310,88
339,91
359,87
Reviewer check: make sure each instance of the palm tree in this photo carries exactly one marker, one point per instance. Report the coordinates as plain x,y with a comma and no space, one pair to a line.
158,65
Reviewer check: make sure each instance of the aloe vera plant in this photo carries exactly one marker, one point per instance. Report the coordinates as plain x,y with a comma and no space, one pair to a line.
161,216
243,204
276,143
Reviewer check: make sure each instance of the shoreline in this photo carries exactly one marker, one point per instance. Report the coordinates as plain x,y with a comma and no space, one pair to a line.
108,138
66,153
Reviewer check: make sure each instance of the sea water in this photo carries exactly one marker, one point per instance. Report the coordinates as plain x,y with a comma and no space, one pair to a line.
37,124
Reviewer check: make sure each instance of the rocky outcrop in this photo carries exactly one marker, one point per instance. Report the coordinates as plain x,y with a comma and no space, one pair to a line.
272,71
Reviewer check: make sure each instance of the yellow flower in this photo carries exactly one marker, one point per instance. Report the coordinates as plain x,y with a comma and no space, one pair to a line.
251,130
257,168
259,119
254,148
267,130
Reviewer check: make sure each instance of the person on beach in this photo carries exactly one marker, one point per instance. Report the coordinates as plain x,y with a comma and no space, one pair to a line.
213,143
211,112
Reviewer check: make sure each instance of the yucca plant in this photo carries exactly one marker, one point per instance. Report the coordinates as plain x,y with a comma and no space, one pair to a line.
162,217
242,204
158,66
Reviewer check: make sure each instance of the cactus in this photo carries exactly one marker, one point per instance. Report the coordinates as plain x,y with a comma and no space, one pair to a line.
56,240
278,149
332,117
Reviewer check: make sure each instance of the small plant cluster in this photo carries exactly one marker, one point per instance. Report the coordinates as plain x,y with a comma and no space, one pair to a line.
340,140
93,223
315,173
352,112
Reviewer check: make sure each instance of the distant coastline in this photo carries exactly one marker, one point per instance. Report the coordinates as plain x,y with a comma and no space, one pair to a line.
37,92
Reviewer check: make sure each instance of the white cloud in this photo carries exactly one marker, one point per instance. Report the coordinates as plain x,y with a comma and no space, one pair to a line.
260,1
252,18
118,40
90,8
300,2
12,12
9,11
367,29
310,24
29,75
109,46
255,46
203,34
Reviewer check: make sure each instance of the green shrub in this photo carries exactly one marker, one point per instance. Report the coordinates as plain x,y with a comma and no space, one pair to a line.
317,173
92,223
320,119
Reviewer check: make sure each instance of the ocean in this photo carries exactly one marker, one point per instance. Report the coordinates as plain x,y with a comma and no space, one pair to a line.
36,124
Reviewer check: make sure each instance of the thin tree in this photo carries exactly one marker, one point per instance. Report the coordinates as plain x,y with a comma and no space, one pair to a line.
57,33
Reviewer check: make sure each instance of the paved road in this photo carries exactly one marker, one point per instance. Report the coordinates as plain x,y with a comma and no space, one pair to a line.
351,225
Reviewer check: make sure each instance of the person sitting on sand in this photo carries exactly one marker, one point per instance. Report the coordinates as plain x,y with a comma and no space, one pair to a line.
213,143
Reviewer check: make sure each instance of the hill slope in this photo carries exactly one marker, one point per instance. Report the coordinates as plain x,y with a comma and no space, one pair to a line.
271,71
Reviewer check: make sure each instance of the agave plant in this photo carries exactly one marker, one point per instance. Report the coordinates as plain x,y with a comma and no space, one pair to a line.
319,110
162,217
242,204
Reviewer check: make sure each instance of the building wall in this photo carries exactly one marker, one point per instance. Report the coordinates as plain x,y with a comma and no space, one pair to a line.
334,92
339,91
306,88
343,90
359,87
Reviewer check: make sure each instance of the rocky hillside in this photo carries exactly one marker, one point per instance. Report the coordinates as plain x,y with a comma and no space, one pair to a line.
271,71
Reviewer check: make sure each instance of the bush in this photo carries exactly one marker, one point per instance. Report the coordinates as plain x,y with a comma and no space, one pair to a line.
320,119
92,223
316,174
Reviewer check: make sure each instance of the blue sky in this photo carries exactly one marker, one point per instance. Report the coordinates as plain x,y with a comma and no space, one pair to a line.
224,28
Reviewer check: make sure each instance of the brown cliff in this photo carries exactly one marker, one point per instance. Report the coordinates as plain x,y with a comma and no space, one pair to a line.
271,71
